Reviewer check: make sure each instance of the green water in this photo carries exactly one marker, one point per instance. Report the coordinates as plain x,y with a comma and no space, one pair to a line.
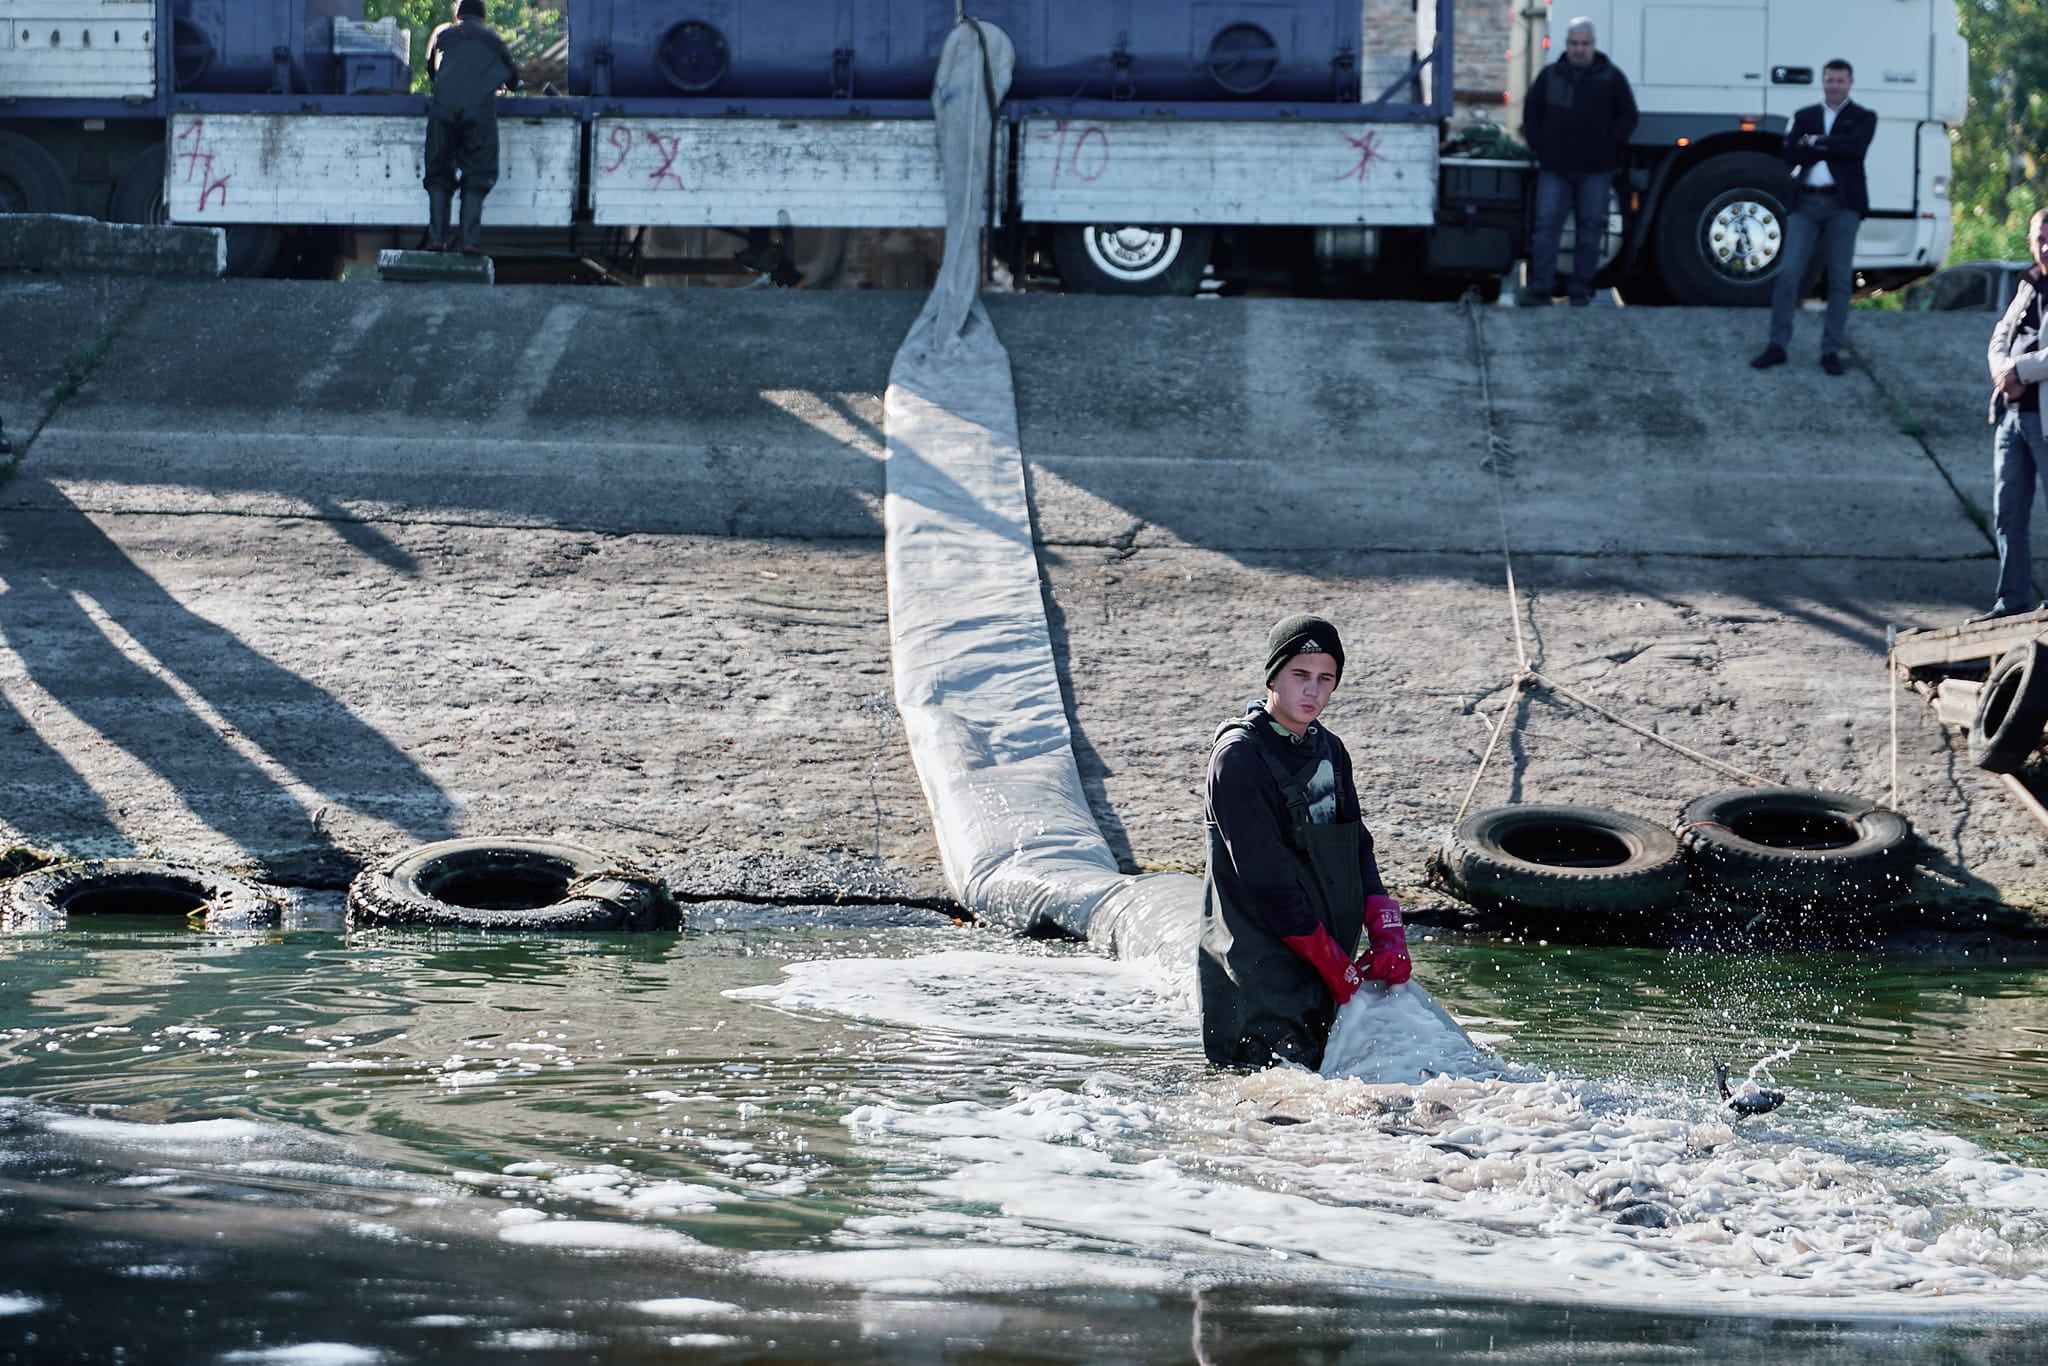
412,1088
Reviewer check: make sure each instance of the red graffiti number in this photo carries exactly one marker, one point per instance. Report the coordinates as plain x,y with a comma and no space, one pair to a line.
1080,153
667,149
198,159
621,139
1368,152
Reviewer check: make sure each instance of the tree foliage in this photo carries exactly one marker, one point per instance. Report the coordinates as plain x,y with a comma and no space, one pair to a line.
528,26
2001,175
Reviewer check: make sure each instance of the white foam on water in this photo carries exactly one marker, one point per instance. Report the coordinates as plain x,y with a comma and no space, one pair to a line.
308,1354
1550,1189
224,1136
1070,998
18,1304
951,1270
591,1235
682,1307
1431,1162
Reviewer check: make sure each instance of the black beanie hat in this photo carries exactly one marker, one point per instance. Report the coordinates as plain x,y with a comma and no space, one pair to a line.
1303,633
470,9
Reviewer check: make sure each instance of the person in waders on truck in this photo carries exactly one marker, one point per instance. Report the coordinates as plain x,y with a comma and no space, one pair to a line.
466,62
1292,884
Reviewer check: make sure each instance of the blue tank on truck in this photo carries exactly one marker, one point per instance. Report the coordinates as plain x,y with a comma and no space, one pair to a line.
283,47
1151,50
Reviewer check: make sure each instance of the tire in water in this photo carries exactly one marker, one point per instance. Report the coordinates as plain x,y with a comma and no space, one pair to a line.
50,897
1131,259
510,884
2012,710
1795,848
1563,860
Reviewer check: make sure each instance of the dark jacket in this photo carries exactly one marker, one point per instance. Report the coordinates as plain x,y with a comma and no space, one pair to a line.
2021,324
1842,149
1578,119
1287,854
466,62
1245,805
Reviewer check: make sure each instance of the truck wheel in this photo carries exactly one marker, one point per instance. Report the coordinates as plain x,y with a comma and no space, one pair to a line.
31,181
139,193
1132,259
1721,232
139,198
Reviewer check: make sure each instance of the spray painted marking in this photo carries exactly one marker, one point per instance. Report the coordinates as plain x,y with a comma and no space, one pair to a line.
1367,148
1082,154
536,367
621,139
667,149
198,159
347,343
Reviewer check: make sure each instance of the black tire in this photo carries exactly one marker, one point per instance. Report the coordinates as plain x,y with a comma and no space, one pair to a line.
1580,860
48,897
139,198
1131,259
510,884
139,194
2012,710
1696,253
31,181
1780,848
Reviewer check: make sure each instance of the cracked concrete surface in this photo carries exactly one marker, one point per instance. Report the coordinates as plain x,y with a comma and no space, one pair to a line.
302,573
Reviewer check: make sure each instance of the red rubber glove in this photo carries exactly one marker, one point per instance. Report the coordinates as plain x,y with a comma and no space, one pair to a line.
1339,974
1388,961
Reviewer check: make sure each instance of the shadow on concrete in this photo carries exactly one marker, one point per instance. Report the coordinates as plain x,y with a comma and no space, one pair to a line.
149,676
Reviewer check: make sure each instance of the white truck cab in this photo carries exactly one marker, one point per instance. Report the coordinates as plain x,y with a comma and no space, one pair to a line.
1705,192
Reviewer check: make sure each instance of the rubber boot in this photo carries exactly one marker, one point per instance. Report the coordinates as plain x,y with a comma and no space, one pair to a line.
438,200
472,222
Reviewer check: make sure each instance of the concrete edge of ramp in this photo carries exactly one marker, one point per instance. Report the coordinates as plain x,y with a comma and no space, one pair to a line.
972,655
63,243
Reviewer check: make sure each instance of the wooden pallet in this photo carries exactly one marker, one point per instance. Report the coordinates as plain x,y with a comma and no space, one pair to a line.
1937,649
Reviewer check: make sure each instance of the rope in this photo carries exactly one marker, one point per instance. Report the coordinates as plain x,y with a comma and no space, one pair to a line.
1894,800
1500,456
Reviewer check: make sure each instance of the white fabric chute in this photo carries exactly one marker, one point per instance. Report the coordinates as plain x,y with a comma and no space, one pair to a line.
975,681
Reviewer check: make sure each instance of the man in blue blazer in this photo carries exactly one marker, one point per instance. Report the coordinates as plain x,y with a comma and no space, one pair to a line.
1825,147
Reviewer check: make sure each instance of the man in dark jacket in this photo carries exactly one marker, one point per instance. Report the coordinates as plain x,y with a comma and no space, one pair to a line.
1292,880
466,62
1824,147
1578,117
2018,356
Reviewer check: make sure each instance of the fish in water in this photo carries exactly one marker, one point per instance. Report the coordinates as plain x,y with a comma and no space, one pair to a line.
1751,1099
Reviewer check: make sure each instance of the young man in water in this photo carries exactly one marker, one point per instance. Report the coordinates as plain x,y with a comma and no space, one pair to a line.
1292,880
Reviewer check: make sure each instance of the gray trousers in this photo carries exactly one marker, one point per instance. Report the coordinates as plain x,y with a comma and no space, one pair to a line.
2016,453
1822,221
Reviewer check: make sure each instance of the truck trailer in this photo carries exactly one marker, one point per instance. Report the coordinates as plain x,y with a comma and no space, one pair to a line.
1143,146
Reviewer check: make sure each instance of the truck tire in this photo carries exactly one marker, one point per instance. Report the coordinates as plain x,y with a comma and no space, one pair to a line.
1131,259
139,193
47,898
139,198
1794,848
509,884
31,181
1721,232
2012,710
1563,859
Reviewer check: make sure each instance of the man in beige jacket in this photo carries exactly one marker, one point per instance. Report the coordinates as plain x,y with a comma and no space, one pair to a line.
2019,362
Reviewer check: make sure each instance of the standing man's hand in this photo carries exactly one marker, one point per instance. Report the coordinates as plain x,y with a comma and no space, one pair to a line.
1387,958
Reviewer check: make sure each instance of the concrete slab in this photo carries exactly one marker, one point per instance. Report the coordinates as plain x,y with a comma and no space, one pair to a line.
69,244
700,411
56,329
